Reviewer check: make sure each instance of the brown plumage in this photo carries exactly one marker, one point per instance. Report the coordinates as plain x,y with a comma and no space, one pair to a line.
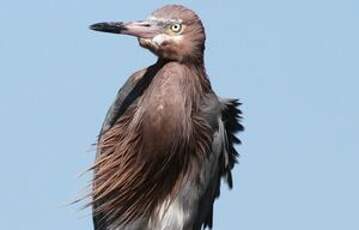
167,139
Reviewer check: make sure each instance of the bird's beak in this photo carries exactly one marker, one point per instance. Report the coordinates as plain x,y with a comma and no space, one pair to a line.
141,29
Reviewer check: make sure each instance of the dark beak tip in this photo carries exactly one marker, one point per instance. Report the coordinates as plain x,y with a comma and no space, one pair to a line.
109,27
97,26
92,27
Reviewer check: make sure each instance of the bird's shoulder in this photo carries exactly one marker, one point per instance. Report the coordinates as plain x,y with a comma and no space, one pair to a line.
123,99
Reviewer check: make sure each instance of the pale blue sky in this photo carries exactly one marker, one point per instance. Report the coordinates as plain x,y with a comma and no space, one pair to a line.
294,65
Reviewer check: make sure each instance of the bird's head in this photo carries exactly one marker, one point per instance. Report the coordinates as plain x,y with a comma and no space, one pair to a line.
172,32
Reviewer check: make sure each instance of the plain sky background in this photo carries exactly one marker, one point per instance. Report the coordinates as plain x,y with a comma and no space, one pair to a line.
294,65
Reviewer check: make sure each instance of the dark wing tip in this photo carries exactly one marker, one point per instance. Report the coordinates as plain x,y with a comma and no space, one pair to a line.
231,116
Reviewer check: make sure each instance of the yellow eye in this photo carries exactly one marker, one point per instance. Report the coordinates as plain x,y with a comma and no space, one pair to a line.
176,27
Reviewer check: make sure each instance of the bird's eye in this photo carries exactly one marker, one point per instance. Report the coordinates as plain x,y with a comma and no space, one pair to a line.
176,27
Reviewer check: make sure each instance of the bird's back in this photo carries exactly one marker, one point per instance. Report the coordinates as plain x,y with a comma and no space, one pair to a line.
165,143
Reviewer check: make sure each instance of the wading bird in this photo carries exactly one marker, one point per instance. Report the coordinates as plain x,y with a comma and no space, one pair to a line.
167,140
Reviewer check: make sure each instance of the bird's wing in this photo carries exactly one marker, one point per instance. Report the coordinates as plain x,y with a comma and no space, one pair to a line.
231,117
127,96
228,126
124,98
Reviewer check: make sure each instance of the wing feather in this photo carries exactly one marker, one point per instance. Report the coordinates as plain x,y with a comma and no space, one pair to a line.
127,96
228,126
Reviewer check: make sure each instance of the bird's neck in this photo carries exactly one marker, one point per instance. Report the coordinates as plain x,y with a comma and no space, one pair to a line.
196,66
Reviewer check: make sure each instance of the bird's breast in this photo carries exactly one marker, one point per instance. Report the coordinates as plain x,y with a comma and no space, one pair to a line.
166,111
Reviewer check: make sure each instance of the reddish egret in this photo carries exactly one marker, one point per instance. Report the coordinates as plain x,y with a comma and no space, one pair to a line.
167,140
